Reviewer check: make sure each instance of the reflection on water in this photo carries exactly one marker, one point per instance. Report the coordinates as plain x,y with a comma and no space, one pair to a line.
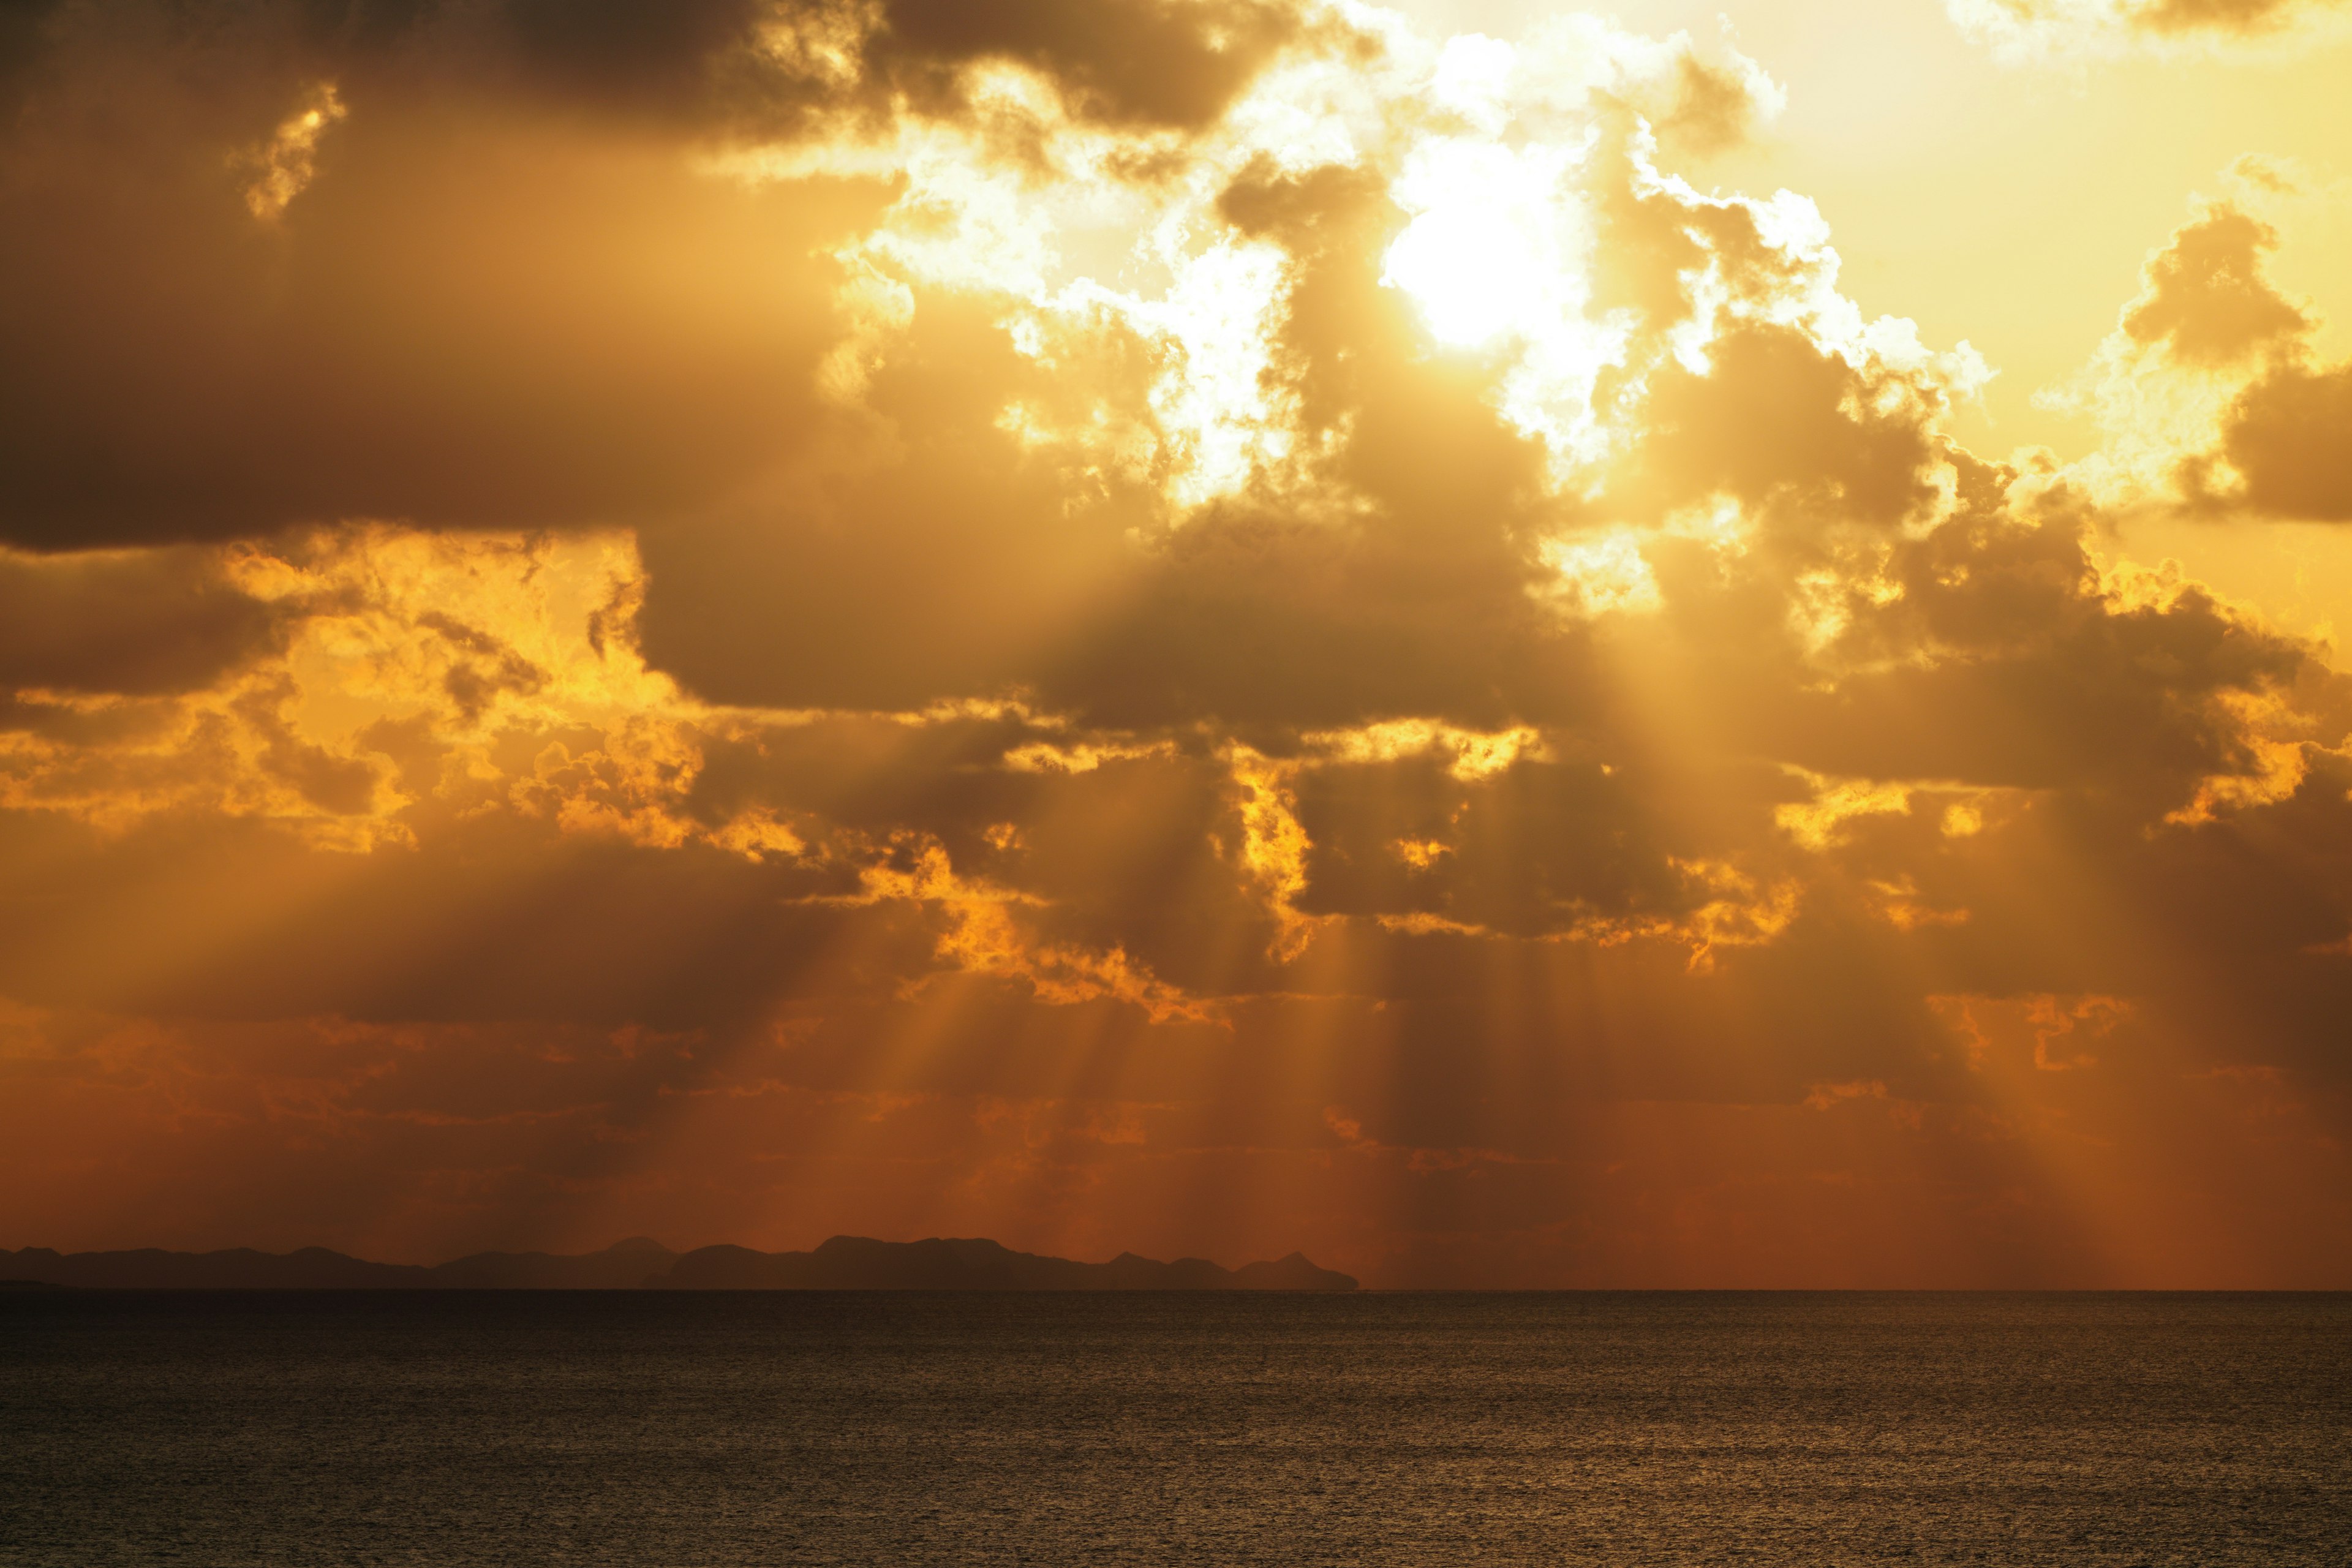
669,1429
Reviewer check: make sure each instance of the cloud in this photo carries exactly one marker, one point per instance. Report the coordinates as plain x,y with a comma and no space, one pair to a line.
1017,603
2210,392
292,264
1128,62
2284,435
2062,29
526,357
135,623
2207,302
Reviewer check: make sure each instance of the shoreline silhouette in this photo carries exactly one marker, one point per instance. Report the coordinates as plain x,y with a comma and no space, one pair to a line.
842,1263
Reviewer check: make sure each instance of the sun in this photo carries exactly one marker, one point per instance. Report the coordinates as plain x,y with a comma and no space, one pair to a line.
1493,249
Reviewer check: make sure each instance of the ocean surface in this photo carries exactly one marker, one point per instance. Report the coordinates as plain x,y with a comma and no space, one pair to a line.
673,1429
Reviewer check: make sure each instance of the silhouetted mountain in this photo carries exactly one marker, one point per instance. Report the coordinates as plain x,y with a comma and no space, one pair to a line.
857,1263
239,1268
623,1266
843,1263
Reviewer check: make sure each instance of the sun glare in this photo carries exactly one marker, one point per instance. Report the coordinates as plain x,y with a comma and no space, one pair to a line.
1489,250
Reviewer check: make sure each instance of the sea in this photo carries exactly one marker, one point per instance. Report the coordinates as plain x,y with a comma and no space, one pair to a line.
675,1428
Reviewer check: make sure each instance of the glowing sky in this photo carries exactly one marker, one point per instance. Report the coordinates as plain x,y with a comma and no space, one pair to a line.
1507,646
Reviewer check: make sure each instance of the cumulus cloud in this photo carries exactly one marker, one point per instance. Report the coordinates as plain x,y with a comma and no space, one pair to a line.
1025,591
2210,392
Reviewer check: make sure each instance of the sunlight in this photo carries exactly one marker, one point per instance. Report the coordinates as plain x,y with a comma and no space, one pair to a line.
1604,575
1491,248
1216,625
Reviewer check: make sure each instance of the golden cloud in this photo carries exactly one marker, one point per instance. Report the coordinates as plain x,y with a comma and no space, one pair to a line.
1071,585
2041,30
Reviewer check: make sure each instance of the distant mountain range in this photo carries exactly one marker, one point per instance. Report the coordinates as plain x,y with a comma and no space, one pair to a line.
843,1263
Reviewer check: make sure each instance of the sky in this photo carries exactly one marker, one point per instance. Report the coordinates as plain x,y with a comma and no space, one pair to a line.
1515,647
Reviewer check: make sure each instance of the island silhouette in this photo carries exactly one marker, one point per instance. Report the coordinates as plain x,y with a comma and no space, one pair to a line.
842,1262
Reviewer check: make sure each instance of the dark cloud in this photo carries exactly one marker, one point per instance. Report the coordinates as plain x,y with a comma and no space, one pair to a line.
926,554
2049,677
149,621
709,65
176,370
484,289
1174,63
2286,434
1774,413
2207,299
633,53
2210,304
